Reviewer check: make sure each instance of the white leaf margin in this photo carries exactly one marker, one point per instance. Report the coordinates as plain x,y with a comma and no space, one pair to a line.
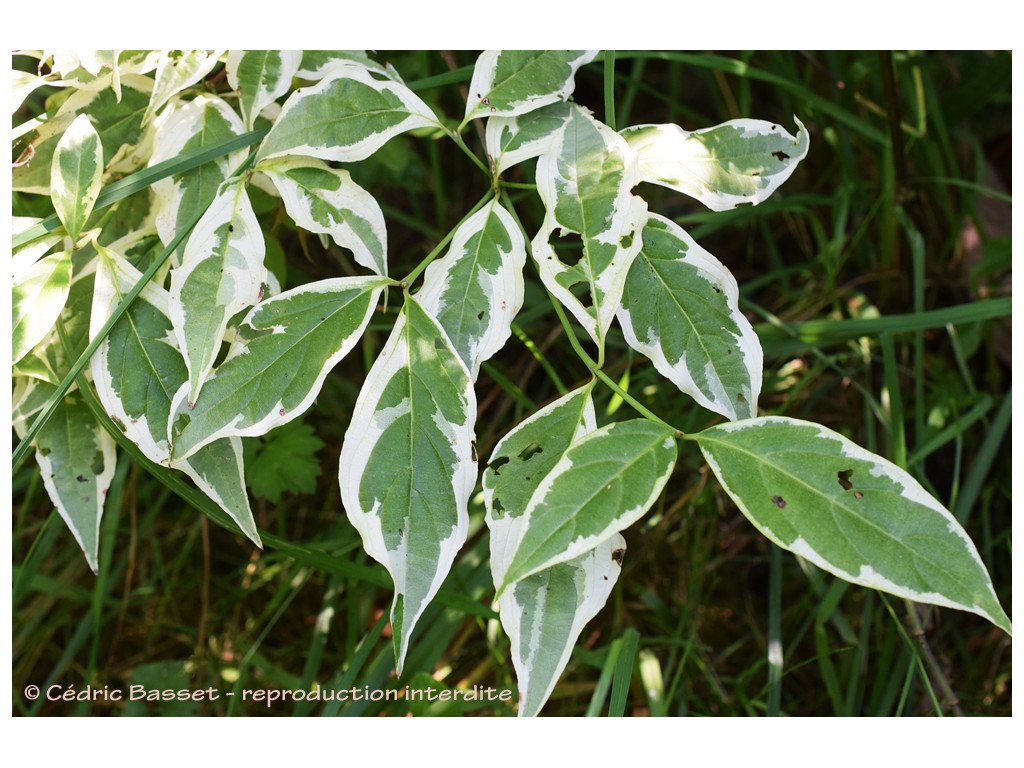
505,289
368,424
748,343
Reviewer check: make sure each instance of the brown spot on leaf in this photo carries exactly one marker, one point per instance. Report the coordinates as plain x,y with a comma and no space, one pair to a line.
779,155
779,502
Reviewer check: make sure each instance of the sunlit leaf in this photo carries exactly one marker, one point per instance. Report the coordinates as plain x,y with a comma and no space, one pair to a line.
204,121
76,174
37,300
735,163
177,71
260,77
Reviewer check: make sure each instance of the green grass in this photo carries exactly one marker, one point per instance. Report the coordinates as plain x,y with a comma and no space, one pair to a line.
877,321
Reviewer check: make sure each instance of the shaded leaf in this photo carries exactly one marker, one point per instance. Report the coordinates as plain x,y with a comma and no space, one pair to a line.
76,459
680,308
509,83
136,371
221,274
476,290
603,483
285,462
324,200
584,179
884,531
274,370
408,464
511,140
346,117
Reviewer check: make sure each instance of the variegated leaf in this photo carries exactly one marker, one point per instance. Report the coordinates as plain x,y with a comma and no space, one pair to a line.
37,300
346,117
511,140
584,179
603,483
260,77
76,459
521,460
24,257
118,123
408,464
315,64
137,370
848,511
204,121
476,290
544,614
284,350
76,174
680,307
509,83
735,163
221,274
23,83
177,71
324,200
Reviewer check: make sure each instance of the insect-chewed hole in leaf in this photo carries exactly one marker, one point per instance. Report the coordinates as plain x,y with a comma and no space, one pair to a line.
740,398
779,155
858,495
439,343
581,292
497,508
81,479
618,555
97,463
569,249
844,478
46,451
472,447
117,422
779,502
530,451
498,462
625,241
480,314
